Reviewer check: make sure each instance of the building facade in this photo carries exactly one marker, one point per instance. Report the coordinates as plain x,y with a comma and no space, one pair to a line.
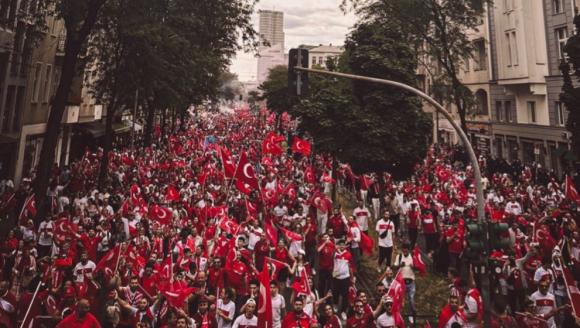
516,81
29,76
271,49
319,55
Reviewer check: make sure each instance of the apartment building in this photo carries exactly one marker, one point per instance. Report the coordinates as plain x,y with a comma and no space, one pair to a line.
516,81
29,75
319,55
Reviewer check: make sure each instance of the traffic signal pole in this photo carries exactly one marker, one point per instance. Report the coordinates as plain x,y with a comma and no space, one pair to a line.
483,267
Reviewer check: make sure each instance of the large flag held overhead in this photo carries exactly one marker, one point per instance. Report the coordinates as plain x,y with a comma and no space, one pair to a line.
265,301
571,191
246,180
227,163
301,146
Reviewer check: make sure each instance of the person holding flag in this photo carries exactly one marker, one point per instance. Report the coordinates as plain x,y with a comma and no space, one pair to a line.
387,319
405,263
452,313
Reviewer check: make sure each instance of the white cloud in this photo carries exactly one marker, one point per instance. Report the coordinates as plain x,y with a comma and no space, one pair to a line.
305,22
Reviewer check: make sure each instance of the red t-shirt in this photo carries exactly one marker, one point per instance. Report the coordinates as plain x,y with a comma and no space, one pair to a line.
337,225
365,321
326,261
89,321
293,320
456,244
429,224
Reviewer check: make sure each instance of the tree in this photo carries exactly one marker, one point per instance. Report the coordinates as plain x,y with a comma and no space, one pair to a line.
439,29
275,90
372,127
570,95
79,18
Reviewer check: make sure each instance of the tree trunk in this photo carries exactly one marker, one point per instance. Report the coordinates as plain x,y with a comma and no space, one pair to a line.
47,153
107,146
149,124
73,46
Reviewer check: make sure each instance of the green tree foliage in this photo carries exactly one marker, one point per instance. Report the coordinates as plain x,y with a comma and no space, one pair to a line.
571,95
275,90
372,127
439,29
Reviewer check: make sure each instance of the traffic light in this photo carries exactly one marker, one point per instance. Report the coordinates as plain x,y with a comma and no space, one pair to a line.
499,236
297,80
475,240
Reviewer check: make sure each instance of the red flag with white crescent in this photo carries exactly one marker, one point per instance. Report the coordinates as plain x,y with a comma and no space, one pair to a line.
418,261
291,235
271,233
29,209
172,194
571,191
265,301
270,196
397,292
177,296
227,163
161,214
246,179
571,289
63,228
229,226
301,146
309,175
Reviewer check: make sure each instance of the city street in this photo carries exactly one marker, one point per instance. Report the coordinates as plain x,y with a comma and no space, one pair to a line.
234,164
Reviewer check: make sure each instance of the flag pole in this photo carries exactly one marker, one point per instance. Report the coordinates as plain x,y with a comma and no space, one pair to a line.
31,302
119,257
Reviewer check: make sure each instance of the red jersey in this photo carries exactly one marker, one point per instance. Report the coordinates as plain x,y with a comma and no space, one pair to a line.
326,261
71,321
294,320
367,320
429,223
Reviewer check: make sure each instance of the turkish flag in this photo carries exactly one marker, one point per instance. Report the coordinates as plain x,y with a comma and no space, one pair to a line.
29,209
227,162
270,196
291,235
251,208
265,301
109,262
418,261
309,175
365,182
217,211
366,243
327,178
63,228
573,292
301,146
246,179
271,144
135,192
301,285
571,191
276,265
397,292
177,296
321,202
229,226
171,194
132,255
271,233
161,214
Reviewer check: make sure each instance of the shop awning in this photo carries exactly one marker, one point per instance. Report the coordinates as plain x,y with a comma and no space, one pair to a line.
95,129
121,127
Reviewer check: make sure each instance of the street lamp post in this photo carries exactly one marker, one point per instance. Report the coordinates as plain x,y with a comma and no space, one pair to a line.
485,285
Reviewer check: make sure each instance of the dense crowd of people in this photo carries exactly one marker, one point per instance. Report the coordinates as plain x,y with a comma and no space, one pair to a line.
228,222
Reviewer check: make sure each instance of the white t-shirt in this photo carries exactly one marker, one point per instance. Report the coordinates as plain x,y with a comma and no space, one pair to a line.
355,237
386,321
544,305
513,208
45,233
243,322
278,304
341,265
383,226
82,270
362,218
228,310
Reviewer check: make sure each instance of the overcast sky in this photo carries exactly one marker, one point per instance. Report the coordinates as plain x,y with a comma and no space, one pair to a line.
305,22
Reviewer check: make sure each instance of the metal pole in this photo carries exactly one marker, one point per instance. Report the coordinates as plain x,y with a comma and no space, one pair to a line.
473,158
31,302
134,118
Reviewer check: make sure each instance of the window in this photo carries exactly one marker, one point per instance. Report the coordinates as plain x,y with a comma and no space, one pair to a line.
36,82
508,111
498,111
313,60
561,37
480,58
481,100
320,60
558,6
531,112
562,113
514,44
508,49
46,87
